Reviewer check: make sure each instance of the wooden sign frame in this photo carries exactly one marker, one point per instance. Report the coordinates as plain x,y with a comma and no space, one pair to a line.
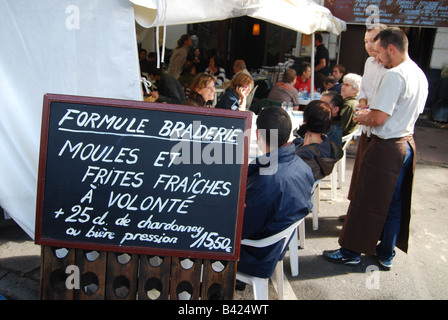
42,239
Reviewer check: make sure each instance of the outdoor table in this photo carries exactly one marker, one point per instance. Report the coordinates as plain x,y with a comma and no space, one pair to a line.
254,151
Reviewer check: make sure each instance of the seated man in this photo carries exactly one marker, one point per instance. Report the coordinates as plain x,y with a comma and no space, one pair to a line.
278,192
331,84
312,144
349,91
338,72
169,90
303,82
284,90
240,66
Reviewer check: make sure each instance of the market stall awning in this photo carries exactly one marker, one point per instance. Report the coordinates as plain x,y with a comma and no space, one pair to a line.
88,48
78,47
304,16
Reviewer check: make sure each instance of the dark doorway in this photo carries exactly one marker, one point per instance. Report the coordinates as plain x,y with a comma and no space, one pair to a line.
238,38
247,44
421,42
353,55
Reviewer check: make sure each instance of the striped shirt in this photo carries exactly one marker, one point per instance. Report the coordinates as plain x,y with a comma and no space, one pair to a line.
284,91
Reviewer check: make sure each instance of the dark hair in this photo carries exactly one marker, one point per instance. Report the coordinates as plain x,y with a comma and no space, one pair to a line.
340,67
153,70
303,67
336,98
274,118
394,36
316,118
330,79
218,61
318,37
182,39
337,101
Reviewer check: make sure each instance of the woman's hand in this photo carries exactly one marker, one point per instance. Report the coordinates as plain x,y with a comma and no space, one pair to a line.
244,90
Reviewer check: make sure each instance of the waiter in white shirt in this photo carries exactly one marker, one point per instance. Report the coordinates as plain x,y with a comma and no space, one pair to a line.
381,207
373,72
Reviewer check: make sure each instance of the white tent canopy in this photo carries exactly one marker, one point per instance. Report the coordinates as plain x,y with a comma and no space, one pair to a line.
80,47
304,16
88,48
301,15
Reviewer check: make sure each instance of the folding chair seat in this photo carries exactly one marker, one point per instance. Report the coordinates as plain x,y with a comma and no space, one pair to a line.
260,285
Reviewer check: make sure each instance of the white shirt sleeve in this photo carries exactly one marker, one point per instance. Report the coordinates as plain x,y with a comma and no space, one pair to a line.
389,92
365,79
373,72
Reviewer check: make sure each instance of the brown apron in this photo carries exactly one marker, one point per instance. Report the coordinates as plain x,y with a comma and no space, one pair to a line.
378,175
362,146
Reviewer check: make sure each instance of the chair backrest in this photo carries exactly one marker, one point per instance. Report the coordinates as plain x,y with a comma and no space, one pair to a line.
265,242
258,105
347,139
250,97
316,183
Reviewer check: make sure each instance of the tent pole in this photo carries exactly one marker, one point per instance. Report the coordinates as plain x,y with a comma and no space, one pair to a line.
312,65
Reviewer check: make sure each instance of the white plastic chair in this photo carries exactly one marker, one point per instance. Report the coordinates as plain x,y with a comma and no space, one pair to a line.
315,198
341,163
331,183
293,247
260,285
250,97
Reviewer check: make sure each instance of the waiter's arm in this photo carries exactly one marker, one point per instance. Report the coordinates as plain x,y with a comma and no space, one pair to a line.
373,118
322,64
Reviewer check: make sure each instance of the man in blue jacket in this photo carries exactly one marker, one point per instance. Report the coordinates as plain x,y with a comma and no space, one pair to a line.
278,192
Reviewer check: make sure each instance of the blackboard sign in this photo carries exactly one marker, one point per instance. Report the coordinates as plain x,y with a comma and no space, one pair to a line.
433,13
138,177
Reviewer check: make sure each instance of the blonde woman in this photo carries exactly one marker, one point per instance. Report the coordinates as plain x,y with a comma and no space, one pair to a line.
202,91
235,96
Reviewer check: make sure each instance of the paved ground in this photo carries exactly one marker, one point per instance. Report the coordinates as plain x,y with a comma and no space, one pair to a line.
421,274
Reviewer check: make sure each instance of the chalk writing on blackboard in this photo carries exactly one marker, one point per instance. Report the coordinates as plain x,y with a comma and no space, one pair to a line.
141,180
393,12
